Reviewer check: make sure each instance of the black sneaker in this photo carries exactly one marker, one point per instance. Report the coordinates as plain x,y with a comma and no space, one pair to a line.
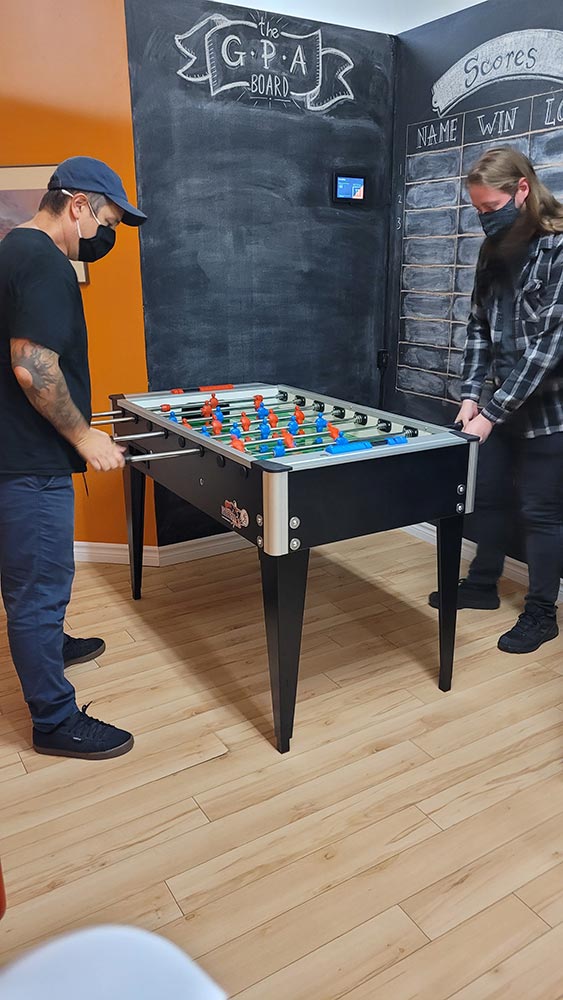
83,736
471,595
532,629
81,650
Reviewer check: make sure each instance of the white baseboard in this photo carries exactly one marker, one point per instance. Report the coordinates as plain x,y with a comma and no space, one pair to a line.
166,555
200,548
513,569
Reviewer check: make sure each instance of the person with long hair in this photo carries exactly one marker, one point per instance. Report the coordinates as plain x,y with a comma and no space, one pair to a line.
514,349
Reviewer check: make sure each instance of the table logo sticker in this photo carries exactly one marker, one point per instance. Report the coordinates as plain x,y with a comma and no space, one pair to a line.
260,61
535,54
236,516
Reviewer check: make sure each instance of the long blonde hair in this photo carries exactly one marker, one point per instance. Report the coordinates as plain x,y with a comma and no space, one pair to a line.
502,168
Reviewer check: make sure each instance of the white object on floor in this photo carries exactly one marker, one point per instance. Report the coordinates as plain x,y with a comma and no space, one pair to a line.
110,961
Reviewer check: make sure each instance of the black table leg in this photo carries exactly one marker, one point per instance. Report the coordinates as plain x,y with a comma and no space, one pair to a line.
284,583
134,483
449,539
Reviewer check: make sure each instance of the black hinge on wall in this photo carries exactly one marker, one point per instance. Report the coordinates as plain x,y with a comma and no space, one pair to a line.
382,360
382,364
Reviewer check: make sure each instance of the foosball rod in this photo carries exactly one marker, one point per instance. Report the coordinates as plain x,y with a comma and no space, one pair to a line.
280,412
137,437
308,448
154,456
306,434
235,409
258,421
111,420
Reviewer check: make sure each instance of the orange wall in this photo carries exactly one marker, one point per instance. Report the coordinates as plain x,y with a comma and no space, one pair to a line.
64,91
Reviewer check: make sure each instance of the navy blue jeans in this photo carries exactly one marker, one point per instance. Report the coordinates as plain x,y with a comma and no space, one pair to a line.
36,574
520,478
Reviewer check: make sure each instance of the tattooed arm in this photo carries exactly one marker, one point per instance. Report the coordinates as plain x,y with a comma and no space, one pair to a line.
39,375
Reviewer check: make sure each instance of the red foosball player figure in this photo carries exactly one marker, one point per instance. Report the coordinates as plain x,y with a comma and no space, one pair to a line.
244,421
214,401
288,439
333,431
273,419
207,409
299,415
257,402
186,423
237,444
216,426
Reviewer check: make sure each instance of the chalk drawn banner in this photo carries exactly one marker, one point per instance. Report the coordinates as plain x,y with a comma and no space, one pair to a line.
519,55
265,63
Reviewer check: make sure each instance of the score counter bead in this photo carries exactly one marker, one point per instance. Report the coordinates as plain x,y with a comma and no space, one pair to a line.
165,407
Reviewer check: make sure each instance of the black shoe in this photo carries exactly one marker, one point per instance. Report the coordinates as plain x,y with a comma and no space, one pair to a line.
81,650
471,595
532,629
82,736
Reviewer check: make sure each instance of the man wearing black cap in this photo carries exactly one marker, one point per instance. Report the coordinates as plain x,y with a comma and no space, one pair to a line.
45,413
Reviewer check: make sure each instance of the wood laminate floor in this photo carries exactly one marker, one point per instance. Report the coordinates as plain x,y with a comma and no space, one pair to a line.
409,846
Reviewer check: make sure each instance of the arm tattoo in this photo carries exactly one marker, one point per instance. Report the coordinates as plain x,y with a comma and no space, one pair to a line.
40,377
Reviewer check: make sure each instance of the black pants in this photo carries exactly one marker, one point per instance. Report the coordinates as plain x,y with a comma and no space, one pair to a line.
522,478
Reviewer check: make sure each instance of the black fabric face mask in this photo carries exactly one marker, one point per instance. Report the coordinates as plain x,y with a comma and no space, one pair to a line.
95,247
494,224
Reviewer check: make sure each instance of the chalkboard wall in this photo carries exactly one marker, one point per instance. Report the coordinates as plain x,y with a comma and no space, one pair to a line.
250,272
459,92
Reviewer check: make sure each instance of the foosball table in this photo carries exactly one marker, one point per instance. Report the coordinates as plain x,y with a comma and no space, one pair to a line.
290,469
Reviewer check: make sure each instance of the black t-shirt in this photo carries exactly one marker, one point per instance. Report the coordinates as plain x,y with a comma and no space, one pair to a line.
39,301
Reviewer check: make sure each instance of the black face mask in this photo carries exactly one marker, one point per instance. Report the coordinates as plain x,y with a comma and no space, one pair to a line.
95,247
496,223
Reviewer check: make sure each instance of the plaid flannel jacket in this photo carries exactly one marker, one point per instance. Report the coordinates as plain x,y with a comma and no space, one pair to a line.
535,385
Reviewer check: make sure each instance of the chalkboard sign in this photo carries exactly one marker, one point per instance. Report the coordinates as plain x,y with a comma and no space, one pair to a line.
250,271
487,76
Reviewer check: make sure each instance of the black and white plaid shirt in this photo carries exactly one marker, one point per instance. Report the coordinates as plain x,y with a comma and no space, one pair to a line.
534,387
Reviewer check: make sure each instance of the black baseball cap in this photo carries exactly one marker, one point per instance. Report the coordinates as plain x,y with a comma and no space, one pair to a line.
84,173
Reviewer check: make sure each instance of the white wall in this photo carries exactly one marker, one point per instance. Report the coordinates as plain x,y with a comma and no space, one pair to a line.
389,16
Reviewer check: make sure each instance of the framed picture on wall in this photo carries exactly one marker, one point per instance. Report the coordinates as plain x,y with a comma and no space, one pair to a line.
21,190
